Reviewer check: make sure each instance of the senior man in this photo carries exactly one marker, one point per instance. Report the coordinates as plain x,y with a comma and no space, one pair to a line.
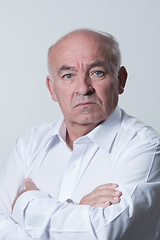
96,171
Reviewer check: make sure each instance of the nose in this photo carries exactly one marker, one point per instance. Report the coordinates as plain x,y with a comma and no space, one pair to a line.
84,86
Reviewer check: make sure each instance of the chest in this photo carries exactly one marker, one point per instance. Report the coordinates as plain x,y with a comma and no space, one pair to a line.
65,174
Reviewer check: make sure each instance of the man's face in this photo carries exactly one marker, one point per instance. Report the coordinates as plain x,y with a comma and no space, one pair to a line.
83,87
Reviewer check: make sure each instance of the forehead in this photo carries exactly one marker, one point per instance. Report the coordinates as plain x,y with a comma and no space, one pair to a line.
78,49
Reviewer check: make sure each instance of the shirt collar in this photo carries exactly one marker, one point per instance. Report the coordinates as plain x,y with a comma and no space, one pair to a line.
103,135
57,129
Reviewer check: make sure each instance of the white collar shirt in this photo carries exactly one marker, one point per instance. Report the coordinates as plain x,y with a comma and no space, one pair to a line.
121,150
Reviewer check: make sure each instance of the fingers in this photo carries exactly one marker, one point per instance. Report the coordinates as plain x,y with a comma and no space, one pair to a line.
107,190
29,184
101,204
102,196
105,198
107,185
18,195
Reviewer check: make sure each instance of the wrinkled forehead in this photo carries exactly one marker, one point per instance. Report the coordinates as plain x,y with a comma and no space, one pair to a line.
78,46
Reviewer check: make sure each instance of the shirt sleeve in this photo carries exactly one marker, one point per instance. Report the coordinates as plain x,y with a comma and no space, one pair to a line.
135,217
11,182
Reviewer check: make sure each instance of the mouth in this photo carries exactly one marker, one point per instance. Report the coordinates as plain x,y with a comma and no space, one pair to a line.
84,104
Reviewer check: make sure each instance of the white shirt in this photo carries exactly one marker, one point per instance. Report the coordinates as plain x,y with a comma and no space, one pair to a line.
121,150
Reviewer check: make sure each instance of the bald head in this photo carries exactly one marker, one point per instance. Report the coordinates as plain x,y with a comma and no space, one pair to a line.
105,43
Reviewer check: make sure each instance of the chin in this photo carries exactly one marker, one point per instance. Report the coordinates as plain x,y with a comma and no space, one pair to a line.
89,120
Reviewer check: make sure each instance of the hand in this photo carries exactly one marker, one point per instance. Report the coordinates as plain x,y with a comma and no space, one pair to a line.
29,185
102,196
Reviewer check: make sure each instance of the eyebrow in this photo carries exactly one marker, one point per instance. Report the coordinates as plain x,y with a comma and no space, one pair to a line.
66,67
97,64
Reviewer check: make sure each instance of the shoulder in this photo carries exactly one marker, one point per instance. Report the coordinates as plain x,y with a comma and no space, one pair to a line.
42,132
136,128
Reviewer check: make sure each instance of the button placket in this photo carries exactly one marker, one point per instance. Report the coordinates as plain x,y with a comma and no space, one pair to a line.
70,175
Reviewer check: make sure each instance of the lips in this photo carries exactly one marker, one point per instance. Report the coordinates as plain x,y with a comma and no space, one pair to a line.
83,104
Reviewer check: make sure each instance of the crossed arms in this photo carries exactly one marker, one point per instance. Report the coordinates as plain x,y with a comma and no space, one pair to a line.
46,218
38,216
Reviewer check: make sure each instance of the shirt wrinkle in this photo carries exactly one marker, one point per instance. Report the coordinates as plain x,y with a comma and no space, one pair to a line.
119,150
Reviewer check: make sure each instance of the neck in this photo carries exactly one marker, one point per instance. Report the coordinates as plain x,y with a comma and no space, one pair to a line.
76,131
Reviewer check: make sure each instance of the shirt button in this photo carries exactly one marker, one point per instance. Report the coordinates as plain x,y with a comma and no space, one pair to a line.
72,166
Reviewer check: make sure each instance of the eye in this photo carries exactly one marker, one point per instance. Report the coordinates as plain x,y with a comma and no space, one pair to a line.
67,76
99,73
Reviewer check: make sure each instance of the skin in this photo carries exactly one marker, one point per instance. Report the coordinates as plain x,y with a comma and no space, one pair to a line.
102,196
29,185
80,81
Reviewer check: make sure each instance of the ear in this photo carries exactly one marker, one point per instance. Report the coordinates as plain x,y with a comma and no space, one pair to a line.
122,76
50,86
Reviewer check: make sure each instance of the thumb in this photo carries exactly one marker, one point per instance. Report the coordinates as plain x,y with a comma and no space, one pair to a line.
29,184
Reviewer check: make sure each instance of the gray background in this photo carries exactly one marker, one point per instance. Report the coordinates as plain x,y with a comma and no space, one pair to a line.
29,27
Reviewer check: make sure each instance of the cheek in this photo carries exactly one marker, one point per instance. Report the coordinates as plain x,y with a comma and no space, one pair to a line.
108,94
63,97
